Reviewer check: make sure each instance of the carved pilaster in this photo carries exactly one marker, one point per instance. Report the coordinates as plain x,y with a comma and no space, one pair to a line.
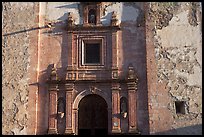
132,100
70,50
132,105
52,127
115,108
69,93
75,121
98,10
114,50
53,75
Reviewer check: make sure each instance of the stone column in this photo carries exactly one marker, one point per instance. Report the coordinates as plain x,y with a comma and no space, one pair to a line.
132,106
70,49
52,129
75,121
114,50
69,93
115,108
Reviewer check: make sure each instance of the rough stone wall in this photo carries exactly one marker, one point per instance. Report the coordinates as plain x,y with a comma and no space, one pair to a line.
177,42
17,62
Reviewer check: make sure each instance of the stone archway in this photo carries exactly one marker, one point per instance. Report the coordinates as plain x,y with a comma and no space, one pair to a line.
93,116
76,107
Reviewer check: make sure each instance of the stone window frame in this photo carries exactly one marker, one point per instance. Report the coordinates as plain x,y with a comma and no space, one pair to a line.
92,39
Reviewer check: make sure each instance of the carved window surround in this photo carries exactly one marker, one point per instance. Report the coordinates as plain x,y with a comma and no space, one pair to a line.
83,39
92,52
77,28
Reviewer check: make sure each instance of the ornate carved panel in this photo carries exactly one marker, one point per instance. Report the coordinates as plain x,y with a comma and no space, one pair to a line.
52,129
115,108
69,95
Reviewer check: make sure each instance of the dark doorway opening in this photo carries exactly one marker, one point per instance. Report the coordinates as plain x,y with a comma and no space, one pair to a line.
93,116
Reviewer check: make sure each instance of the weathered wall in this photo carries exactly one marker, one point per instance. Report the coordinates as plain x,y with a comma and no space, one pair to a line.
177,57
19,62
171,61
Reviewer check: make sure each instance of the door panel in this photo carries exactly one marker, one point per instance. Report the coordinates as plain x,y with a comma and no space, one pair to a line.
93,115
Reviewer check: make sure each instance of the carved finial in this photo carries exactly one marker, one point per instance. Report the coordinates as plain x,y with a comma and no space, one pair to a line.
70,19
53,75
132,78
131,72
114,20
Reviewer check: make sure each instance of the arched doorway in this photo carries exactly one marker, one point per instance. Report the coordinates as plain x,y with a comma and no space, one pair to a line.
93,116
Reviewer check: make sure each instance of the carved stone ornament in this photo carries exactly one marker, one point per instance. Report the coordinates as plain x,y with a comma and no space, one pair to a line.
93,89
61,108
70,19
124,108
114,20
53,75
131,72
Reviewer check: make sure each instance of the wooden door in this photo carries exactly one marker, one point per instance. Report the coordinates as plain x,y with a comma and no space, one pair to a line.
93,116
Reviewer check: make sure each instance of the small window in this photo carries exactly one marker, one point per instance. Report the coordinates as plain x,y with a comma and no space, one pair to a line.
92,53
180,107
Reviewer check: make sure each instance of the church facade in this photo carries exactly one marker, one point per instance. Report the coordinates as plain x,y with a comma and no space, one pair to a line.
103,68
95,82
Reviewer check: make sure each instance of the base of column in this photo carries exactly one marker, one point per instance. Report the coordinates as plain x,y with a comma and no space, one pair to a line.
116,131
68,131
52,131
133,130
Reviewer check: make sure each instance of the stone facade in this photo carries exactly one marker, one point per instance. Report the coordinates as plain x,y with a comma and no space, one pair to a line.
150,57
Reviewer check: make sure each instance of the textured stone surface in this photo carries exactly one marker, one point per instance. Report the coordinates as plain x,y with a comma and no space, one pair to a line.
179,67
17,17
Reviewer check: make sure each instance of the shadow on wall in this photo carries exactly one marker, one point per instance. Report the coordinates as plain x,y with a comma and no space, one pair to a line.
133,50
189,130
25,30
70,6
74,6
57,30
105,20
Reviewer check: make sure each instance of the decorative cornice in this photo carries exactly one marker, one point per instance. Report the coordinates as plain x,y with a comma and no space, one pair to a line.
93,28
88,81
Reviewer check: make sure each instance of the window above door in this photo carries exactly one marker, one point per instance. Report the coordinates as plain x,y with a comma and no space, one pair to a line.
92,52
